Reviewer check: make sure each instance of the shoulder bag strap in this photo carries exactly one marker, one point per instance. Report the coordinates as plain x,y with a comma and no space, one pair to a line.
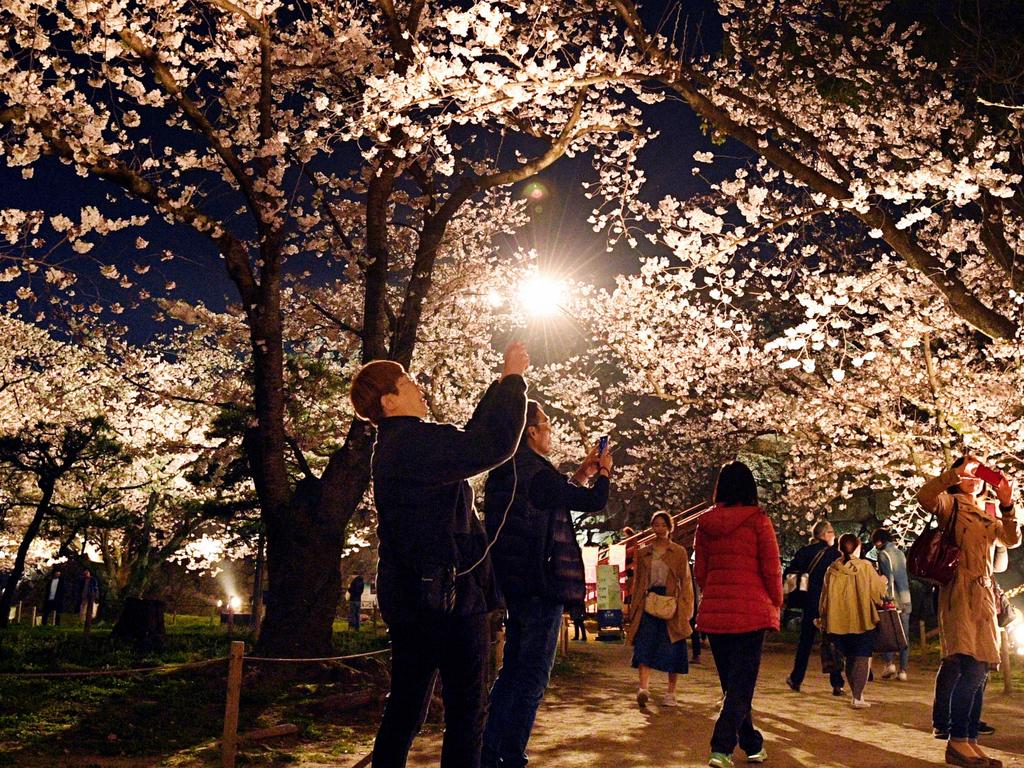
816,560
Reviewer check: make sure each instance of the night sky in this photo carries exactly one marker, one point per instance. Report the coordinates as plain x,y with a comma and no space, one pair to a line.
558,231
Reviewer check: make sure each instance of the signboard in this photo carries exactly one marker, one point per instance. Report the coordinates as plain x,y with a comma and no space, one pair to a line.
609,594
617,556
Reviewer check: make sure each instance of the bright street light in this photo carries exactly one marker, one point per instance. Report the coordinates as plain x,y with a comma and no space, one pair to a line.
542,296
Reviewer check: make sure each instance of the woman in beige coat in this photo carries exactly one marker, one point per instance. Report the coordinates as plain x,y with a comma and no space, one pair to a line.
662,568
968,630
848,612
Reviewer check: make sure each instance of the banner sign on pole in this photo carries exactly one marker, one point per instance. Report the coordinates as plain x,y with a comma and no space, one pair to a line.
590,554
609,594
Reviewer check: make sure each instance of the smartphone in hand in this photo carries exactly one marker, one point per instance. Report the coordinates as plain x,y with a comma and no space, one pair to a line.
602,445
989,475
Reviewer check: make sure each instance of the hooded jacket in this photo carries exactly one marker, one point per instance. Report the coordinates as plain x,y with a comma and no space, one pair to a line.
738,571
849,601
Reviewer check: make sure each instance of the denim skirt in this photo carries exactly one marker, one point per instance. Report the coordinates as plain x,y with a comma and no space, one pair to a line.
653,648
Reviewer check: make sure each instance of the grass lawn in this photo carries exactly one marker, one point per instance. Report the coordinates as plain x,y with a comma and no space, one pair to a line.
170,718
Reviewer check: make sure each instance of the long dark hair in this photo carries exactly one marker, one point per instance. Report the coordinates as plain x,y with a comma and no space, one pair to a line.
848,544
735,486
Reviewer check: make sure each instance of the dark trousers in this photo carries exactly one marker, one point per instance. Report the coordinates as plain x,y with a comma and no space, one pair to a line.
579,626
738,659
531,640
804,646
354,608
457,647
695,639
959,696
51,606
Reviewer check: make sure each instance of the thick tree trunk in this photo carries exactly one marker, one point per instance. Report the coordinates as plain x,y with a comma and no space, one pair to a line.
141,623
47,486
304,582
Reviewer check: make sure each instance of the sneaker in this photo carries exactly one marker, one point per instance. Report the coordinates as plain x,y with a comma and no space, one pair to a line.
642,697
792,686
720,760
837,690
902,676
941,733
985,729
889,671
669,700
758,757
860,703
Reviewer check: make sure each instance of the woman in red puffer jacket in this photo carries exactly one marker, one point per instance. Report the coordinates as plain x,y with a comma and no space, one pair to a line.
740,577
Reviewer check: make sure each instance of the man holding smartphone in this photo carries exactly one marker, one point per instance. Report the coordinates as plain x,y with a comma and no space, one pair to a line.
435,584
539,565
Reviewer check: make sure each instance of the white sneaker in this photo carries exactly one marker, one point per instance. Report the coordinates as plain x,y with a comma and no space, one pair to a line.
902,676
669,700
860,703
889,671
642,697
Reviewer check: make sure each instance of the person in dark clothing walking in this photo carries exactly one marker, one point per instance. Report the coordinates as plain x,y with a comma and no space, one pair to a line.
435,583
54,598
814,560
740,577
578,614
355,600
539,566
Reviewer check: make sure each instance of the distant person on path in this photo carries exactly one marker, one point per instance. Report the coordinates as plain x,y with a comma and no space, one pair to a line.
355,601
54,598
435,584
848,612
661,568
968,629
740,578
814,560
539,567
579,622
88,598
892,564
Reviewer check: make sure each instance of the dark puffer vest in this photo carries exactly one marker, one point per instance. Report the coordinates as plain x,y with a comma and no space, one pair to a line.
536,553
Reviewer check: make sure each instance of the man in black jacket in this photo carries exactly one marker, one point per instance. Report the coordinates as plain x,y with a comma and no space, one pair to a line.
814,560
539,566
435,585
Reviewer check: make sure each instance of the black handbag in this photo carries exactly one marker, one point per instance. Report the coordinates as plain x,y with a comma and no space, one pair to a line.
1006,613
831,656
891,638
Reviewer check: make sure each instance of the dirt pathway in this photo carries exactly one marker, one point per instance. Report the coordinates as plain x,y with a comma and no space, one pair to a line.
592,720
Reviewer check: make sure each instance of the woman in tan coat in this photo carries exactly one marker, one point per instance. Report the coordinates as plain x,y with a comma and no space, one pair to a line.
849,612
662,568
968,630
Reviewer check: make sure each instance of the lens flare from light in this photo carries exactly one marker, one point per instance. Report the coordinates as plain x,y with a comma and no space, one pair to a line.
542,296
234,603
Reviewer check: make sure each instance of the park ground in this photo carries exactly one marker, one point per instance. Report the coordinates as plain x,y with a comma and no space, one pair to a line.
589,717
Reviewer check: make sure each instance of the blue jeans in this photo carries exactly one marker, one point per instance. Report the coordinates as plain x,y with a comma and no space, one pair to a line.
905,653
531,639
354,607
959,696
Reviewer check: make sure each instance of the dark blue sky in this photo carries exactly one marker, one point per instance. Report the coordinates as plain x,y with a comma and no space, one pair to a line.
558,231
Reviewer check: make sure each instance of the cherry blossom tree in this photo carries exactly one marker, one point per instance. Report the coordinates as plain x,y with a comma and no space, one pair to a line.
361,133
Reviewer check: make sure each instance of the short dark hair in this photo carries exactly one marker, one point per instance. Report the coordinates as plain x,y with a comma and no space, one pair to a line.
666,517
374,380
736,486
820,527
880,535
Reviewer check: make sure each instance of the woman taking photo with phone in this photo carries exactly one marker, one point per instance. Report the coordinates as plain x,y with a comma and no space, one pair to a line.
662,603
968,631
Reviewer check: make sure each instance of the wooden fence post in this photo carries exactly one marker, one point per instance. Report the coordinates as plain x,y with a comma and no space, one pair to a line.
564,640
32,617
229,740
923,634
1004,654
17,613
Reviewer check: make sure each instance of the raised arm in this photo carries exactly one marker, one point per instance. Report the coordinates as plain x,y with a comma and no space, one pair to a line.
934,498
